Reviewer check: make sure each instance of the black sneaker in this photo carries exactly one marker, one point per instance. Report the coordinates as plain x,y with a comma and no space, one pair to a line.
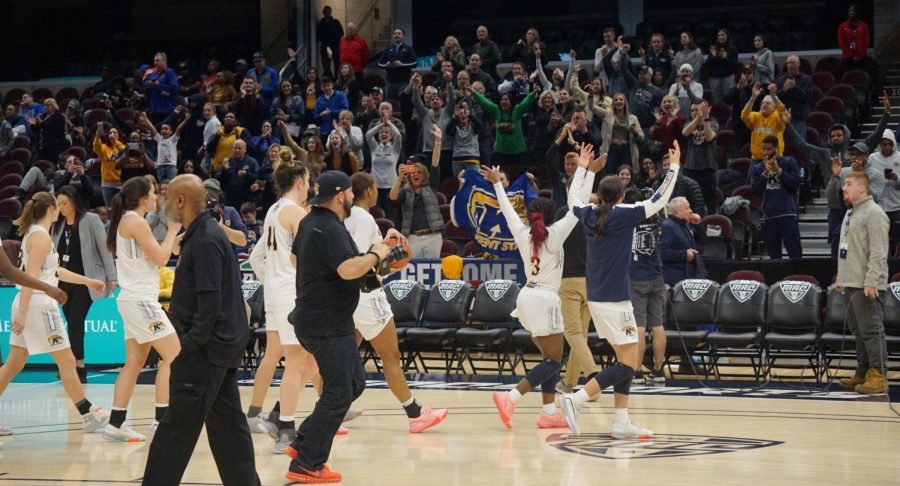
656,377
638,378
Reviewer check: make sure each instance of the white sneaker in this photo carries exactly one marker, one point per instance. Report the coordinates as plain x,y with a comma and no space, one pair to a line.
629,430
153,427
285,437
570,412
262,425
4,431
95,420
352,414
121,434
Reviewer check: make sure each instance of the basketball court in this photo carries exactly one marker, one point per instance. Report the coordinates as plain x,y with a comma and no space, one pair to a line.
744,433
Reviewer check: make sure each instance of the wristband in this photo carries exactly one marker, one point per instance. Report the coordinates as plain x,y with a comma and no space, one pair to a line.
377,258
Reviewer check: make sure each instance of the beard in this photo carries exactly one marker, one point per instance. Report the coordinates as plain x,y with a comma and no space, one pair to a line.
347,205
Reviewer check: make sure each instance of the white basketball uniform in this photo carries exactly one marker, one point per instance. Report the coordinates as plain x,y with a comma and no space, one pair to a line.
279,276
138,300
538,304
373,311
44,330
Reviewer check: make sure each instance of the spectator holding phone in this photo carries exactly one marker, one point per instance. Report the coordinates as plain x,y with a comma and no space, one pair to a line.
135,162
887,160
422,222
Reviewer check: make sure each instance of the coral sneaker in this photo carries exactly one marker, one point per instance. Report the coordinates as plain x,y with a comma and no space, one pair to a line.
302,475
555,421
427,419
342,430
505,407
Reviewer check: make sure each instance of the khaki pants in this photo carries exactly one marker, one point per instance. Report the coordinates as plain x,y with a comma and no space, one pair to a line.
577,319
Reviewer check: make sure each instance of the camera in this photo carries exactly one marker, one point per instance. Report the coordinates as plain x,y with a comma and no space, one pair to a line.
396,253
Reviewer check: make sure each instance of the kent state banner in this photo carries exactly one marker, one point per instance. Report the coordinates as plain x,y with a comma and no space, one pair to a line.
475,208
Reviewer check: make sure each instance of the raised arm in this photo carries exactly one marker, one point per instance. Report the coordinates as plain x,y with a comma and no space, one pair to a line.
661,197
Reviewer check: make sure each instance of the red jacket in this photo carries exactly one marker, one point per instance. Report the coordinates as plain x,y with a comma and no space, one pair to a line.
853,42
354,51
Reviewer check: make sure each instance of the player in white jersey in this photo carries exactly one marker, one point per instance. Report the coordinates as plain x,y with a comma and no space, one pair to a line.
37,325
373,317
538,304
276,267
609,229
138,258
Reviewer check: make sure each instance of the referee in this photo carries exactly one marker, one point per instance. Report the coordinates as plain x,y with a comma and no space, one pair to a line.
328,283
208,310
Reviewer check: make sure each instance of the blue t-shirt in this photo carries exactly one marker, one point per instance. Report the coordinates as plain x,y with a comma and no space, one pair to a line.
609,258
646,262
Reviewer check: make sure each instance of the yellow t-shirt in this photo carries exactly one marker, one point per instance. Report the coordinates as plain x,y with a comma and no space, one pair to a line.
224,149
108,172
761,127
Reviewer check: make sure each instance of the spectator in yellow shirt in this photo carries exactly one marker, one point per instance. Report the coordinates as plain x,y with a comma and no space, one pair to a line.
107,148
166,281
767,121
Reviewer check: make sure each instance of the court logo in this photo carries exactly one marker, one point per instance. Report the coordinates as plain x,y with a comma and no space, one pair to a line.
401,288
156,327
795,291
695,288
498,288
449,288
660,446
743,289
895,289
55,339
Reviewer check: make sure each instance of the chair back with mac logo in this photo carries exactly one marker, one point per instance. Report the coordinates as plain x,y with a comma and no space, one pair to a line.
406,298
448,304
694,302
494,301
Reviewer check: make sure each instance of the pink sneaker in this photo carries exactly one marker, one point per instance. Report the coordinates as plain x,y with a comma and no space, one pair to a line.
343,430
426,420
555,421
505,407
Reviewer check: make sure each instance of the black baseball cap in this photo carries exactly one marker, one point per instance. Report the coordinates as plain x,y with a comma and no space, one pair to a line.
859,147
258,55
328,185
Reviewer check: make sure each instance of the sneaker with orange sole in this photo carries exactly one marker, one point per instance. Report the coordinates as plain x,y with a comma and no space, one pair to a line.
342,430
505,407
298,474
291,451
555,421
427,419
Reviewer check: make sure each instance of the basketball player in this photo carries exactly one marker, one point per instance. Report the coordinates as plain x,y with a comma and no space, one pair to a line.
276,267
37,325
373,318
138,258
538,304
609,228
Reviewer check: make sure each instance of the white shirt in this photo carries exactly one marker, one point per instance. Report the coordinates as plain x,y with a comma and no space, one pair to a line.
271,261
138,276
48,272
209,130
166,150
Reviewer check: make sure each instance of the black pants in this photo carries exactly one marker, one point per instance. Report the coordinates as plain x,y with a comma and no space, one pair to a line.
835,220
343,381
76,310
707,181
202,394
893,232
782,230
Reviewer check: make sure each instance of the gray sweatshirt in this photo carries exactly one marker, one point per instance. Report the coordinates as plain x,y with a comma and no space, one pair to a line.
384,156
429,117
890,195
865,235
834,192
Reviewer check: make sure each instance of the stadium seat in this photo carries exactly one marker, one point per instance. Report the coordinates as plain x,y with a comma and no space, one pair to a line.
92,117
10,208
721,112
442,199
718,243
445,212
66,94
740,324
804,278
746,275
489,327
9,191
741,165
13,96
793,318
456,234
44,165
725,140
472,250
812,136
41,94
21,141
446,310
10,180
860,80
22,155
384,225
823,80
816,95
832,65
91,104
821,122
891,308
12,167
376,212
448,248
449,187
692,310
833,106
407,300
847,94
12,248
837,342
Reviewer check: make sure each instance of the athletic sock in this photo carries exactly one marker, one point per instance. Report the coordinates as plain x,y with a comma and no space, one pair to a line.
621,416
117,417
161,409
275,410
549,408
84,406
253,411
581,397
514,396
286,422
412,408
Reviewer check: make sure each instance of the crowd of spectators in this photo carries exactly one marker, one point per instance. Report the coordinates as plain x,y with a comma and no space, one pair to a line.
416,129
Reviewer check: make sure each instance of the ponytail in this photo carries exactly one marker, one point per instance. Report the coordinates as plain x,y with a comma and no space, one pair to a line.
609,192
115,215
127,199
35,209
541,214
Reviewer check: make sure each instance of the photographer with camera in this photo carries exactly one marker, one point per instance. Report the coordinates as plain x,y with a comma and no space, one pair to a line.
135,162
328,290
228,217
421,222
69,172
